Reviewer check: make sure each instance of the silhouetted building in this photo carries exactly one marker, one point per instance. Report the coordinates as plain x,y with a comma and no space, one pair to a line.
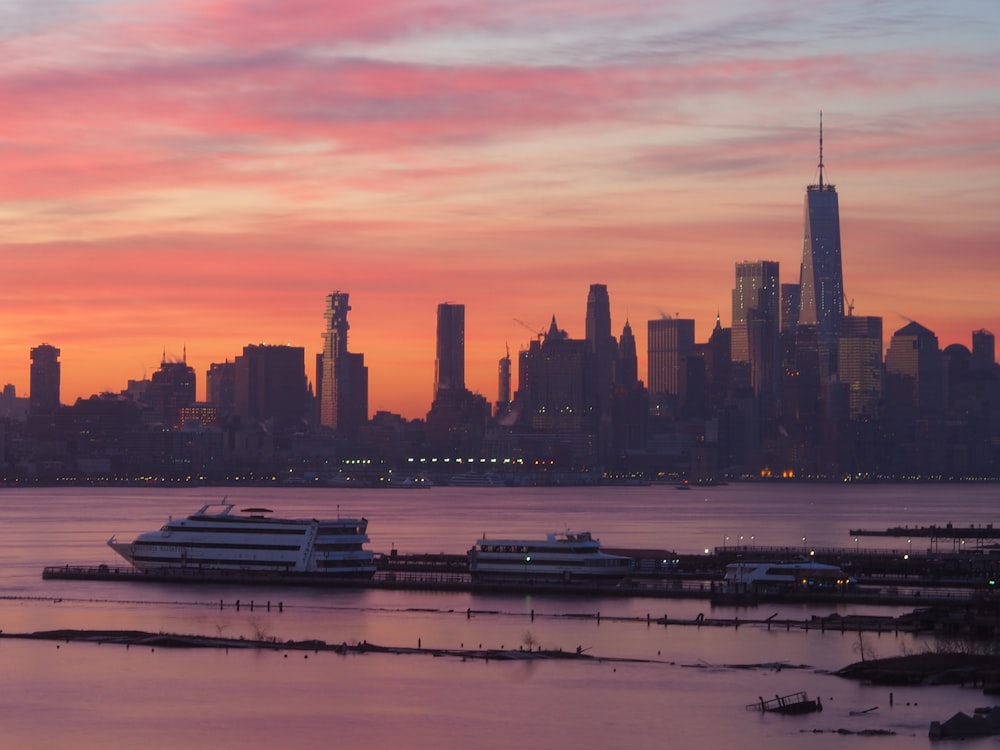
557,384
822,282
449,365
914,354
669,341
627,364
603,351
271,386
756,322
457,418
504,392
43,394
171,388
341,376
630,401
983,350
220,387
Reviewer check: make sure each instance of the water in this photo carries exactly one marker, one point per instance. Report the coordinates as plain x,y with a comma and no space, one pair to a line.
652,686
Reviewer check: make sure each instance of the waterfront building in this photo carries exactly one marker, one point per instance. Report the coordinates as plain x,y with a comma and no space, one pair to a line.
603,352
45,373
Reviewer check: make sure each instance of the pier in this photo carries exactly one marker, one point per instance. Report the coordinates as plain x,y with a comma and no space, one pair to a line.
959,536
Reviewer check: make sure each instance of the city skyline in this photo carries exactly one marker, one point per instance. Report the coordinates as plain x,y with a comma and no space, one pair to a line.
164,190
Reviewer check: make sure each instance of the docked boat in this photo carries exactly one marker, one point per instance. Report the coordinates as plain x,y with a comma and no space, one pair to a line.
804,575
559,559
215,540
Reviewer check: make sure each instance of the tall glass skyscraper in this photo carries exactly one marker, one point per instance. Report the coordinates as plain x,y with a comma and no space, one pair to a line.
822,282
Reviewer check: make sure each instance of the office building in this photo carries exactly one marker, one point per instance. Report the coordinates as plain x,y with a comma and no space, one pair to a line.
220,387
271,386
43,394
559,387
860,364
756,325
603,352
170,389
668,341
449,364
914,355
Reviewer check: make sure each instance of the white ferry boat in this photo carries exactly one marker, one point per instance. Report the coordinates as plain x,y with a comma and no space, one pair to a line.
568,558
214,540
804,575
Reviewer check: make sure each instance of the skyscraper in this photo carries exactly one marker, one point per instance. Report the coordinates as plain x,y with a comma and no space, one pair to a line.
822,282
757,289
171,388
270,385
627,369
860,363
914,354
333,371
449,365
43,395
669,340
341,377
603,351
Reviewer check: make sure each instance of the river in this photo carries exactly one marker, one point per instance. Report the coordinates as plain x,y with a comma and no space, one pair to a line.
648,686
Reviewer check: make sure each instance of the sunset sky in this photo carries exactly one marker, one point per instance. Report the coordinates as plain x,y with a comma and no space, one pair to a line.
202,173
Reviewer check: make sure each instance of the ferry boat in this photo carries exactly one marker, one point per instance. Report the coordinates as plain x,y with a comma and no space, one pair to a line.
214,540
804,575
562,559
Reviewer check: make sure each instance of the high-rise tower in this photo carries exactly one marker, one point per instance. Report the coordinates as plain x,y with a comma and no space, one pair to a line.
449,366
668,341
341,377
756,289
822,283
603,351
43,392
333,370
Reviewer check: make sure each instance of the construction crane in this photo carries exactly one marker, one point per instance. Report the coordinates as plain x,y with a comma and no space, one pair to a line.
539,334
849,304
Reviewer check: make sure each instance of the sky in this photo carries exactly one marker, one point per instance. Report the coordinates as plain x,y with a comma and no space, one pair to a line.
192,176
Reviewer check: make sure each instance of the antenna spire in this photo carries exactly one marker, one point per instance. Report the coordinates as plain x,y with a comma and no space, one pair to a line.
821,149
